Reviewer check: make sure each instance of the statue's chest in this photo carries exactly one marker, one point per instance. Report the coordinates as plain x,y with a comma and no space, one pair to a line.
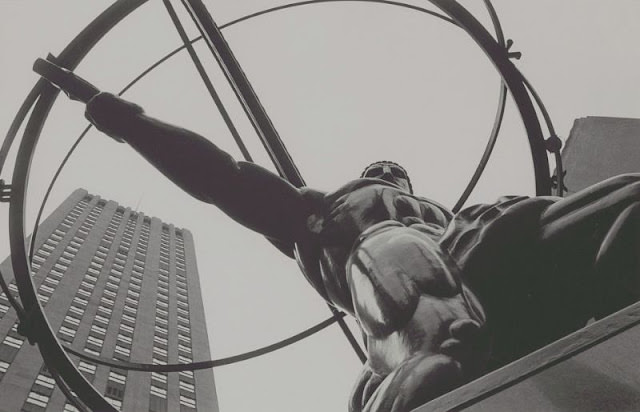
354,212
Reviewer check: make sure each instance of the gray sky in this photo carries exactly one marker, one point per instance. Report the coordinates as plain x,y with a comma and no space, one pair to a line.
345,84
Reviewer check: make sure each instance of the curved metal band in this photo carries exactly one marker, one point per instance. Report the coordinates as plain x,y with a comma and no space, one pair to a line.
499,34
62,384
497,123
514,81
32,96
552,134
501,100
481,165
34,93
177,367
76,51
264,12
40,330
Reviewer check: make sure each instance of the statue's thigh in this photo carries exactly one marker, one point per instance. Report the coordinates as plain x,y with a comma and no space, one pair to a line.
389,271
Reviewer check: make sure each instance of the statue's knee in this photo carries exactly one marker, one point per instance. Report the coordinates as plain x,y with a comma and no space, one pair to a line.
624,234
632,190
617,264
626,178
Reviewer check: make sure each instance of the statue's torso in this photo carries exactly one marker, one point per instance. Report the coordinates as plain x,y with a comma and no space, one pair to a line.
344,215
378,257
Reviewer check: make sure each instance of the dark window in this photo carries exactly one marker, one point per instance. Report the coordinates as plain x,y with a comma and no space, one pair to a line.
157,404
115,390
29,407
7,353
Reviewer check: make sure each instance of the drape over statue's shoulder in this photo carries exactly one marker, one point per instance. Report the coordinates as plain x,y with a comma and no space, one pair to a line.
496,247
472,225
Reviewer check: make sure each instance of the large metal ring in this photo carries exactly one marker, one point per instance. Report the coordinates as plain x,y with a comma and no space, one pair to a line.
53,353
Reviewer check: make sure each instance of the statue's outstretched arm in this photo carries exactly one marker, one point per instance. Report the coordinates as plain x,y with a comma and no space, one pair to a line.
250,194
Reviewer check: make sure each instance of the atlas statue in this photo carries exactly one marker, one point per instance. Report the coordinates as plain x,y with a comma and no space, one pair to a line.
441,298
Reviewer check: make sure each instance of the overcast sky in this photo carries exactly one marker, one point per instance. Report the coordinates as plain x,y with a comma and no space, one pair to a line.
345,84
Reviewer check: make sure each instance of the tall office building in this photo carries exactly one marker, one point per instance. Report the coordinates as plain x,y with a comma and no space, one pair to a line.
117,284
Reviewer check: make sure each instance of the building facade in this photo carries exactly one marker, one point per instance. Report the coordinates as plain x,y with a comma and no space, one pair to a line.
120,285
598,148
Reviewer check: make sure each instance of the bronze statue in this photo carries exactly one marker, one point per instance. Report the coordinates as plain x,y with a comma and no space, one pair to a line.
440,298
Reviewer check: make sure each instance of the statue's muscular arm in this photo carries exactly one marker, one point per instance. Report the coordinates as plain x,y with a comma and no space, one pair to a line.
248,193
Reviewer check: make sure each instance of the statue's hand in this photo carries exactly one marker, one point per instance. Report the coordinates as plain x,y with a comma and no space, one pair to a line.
109,113
71,84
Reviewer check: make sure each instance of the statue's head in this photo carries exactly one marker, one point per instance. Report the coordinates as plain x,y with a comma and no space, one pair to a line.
389,171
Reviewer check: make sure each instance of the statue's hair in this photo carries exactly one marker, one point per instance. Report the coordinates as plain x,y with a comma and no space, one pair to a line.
389,162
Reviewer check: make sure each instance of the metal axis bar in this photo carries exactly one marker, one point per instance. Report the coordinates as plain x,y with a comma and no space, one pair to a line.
244,92
207,81
208,364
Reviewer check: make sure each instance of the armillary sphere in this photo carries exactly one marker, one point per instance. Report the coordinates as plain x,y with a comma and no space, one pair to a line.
38,103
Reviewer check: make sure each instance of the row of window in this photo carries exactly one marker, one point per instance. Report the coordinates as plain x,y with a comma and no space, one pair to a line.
116,383
76,310
4,301
64,260
127,236
186,382
75,313
13,341
37,397
184,344
41,391
127,325
9,348
97,333
159,386
74,214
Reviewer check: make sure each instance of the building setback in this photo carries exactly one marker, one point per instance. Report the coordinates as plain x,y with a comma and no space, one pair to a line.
117,284
598,148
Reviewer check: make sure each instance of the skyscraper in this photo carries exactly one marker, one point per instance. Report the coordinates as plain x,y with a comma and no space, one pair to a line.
120,285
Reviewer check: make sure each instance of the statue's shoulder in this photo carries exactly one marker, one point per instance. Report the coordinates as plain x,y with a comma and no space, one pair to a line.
481,217
357,184
349,187
312,195
362,183
432,204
